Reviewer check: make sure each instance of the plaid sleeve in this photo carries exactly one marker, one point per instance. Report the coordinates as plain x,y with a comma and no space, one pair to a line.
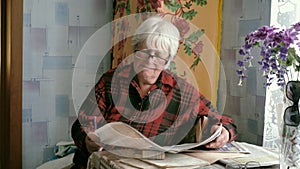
92,110
78,134
89,115
206,109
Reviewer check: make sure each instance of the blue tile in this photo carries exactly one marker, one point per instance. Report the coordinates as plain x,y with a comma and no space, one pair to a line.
26,115
246,26
62,105
57,62
252,126
61,13
48,154
27,19
251,81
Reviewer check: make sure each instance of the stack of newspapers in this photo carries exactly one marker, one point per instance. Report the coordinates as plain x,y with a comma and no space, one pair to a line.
125,146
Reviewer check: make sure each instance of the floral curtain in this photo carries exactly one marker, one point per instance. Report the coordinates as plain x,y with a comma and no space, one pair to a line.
198,55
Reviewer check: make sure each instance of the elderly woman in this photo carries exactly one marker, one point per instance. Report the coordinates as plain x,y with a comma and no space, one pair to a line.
145,95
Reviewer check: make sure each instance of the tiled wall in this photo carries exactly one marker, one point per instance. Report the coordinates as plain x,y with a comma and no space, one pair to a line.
54,33
244,104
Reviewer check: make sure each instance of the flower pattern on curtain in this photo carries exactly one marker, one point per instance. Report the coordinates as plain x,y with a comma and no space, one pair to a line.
199,46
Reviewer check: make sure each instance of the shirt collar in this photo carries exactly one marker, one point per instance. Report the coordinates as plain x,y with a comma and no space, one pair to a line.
165,78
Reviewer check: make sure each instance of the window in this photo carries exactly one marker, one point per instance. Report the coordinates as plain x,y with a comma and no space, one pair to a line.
283,14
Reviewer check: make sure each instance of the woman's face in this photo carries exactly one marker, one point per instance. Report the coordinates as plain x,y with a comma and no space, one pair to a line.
148,64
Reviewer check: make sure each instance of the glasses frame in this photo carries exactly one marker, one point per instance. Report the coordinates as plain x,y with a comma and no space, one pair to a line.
290,110
249,164
288,114
151,56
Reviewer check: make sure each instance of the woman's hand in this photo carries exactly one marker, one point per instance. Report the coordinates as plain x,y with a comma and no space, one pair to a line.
91,142
219,141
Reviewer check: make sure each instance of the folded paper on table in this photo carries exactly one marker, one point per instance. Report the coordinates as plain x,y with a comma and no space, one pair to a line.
121,136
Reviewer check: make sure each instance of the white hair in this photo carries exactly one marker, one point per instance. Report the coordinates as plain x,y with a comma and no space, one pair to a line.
157,33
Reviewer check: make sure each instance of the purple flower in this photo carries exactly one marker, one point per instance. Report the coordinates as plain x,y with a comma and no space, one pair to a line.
198,48
242,52
276,50
182,25
248,58
296,26
240,63
240,72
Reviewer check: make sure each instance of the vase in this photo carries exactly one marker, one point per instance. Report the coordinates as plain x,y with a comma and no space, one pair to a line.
290,148
290,131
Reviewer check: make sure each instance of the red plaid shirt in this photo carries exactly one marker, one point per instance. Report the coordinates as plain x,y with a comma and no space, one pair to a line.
165,115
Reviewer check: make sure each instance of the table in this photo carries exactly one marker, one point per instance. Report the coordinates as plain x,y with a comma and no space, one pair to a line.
107,160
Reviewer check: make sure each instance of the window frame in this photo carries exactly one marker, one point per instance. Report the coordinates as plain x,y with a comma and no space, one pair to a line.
11,83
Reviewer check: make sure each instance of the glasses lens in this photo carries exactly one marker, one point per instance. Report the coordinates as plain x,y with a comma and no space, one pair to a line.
293,91
156,59
291,116
233,166
252,164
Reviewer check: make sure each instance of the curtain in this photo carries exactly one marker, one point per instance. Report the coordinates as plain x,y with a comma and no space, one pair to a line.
199,23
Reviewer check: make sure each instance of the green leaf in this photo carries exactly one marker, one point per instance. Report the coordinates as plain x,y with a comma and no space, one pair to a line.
189,14
194,36
256,44
297,58
188,4
173,5
187,48
128,8
200,2
289,61
172,67
293,58
196,62
121,5
297,68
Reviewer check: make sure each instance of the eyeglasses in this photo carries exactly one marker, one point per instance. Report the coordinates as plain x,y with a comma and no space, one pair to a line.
249,164
291,113
156,57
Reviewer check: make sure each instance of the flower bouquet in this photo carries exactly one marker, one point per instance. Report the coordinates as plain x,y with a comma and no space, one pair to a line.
278,52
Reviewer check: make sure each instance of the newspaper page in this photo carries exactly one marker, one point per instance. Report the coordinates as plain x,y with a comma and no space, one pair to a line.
230,147
123,135
258,156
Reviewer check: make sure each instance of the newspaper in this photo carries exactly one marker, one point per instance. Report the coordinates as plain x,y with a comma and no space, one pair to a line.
119,134
178,161
229,147
258,157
